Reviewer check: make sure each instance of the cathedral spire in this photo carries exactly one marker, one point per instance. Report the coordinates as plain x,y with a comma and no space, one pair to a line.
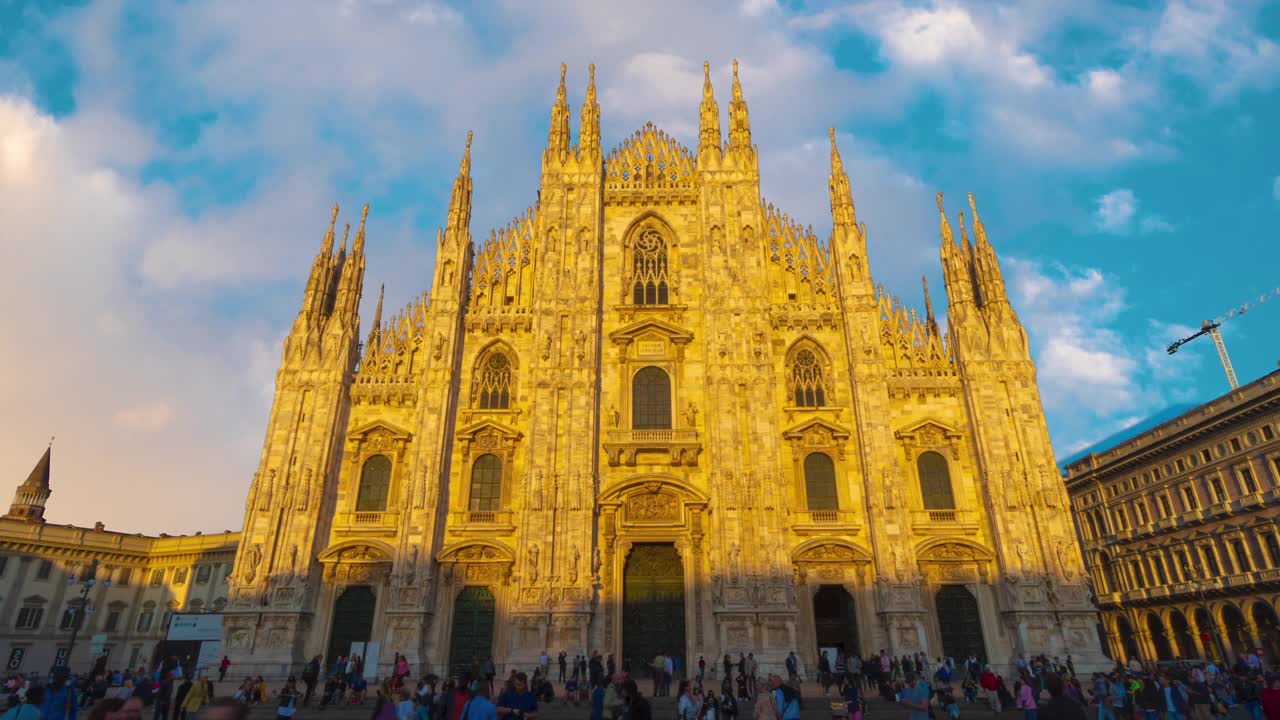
460,201
375,331
558,135
326,248
346,304
357,248
589,129
739,123
708,117
985,264
842,210
930,319
956,270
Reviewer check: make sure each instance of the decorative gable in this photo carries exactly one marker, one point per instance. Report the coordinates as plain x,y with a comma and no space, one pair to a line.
930,434
488,436
652,339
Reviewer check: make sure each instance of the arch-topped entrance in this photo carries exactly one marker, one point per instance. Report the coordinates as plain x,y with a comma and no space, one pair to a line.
960,622
471,637
652,605
352,619
834,619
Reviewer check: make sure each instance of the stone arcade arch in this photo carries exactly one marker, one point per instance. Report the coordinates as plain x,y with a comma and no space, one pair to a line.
661,517
1183,638
1128,642
1159,638
1264,617
1235,632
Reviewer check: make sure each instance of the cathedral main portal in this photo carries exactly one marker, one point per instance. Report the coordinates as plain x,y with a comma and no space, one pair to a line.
652,606
352,620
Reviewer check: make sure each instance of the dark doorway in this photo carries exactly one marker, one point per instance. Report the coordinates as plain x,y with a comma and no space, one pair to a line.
471,640
1183,638
1155,628
1206,626
960,623
1237,636
1268,630
652,606
352,619
835,620
1128,643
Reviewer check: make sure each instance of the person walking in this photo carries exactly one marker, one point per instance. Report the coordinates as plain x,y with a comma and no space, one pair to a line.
1026,700
222,668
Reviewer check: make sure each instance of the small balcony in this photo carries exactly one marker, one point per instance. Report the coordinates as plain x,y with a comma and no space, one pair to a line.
650,447
367,523
944,522
481,522
824,522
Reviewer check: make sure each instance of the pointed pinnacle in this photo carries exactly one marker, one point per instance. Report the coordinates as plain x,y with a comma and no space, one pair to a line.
591,81
737,86
345,232
464,168
835,152
560,92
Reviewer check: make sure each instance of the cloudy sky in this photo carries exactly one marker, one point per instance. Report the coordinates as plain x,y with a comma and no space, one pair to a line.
166,171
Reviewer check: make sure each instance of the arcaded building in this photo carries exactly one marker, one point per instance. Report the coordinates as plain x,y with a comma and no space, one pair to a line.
1178,525
43,567
656,414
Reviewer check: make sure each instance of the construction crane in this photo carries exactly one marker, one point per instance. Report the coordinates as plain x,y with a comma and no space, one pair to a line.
1210,328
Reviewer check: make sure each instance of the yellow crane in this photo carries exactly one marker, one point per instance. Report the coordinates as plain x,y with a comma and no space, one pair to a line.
1210,328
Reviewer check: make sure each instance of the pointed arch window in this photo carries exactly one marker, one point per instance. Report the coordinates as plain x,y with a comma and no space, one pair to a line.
820,482
651,400
486,484
935,482
649,269
494,382
375,484
808,382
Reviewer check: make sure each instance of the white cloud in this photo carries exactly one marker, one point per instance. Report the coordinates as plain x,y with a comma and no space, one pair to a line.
147,417
1216,42
1115,210
1155,224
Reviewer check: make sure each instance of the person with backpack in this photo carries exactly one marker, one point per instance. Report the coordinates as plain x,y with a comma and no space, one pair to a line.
287,701
785,697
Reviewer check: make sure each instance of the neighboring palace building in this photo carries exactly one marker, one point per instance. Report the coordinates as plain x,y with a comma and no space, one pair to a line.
656,414
42,566
1178,524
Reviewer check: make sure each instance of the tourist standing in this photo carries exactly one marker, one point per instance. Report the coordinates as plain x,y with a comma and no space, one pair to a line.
287,703
518,702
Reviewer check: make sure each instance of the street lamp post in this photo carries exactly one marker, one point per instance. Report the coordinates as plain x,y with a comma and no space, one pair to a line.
81,611
1213,626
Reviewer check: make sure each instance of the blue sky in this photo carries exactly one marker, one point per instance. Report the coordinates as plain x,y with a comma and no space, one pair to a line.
166,169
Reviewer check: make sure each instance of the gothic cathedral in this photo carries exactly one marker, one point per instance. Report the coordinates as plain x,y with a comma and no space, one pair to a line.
654,414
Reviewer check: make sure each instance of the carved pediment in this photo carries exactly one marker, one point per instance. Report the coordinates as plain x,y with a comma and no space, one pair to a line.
950,551
379,429
488,428
651,329
928,432
362,552
817,432
470,552
829,550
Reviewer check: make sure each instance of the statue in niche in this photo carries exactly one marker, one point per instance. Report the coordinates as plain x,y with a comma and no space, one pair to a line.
691,415
254,557
1065,560
580,343
533,564
596,562
574,558
437,350
546,345
895,565
614,417
735,566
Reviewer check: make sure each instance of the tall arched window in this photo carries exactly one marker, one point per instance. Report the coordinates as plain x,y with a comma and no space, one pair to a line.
935,482
651,400
1108,573
649,269
493,381
486,483
808,386
375,484
820,482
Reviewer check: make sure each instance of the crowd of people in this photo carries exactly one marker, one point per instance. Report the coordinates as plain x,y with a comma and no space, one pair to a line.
1041,688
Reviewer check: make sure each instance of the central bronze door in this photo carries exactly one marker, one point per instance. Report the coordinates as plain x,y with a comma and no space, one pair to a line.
834,619
652,606
960,623
471,636
352,620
